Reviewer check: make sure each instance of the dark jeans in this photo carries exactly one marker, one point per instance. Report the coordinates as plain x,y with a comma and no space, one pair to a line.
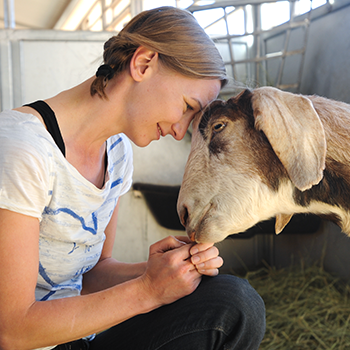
224,313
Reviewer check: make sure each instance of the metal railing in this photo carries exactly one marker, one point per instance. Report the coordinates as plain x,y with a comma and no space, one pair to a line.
9,14
253,57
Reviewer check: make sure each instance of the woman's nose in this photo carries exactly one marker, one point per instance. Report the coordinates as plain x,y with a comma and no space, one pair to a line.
179,129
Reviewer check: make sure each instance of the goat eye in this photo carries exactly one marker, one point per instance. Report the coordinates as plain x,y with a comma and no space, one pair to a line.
218,127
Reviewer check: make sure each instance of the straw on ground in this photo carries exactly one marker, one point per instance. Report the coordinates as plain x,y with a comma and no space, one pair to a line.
306,308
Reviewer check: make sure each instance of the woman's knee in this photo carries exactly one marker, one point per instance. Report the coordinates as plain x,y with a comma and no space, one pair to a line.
240,294
241,308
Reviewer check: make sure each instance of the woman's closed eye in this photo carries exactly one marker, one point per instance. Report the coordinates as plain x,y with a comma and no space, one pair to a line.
189,107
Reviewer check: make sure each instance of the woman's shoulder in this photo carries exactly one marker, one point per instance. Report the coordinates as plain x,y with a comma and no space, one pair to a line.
15,117
24,138
24,164
15,122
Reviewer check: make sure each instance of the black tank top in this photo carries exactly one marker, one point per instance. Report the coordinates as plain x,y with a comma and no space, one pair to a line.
50,121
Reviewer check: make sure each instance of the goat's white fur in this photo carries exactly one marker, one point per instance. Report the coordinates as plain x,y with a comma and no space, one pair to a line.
226,196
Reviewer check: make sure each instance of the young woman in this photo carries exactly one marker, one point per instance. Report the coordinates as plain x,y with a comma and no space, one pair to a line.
65,162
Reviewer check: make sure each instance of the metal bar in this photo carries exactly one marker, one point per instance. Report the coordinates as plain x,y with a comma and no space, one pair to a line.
104,9
214,22
280,28
247,66
264,65
227,3
136,6
9,14
258,41
230,46
268,57
6,70
120,16
82,25
305,44
286,44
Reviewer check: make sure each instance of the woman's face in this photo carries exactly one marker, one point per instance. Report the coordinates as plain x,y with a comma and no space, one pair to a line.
165,103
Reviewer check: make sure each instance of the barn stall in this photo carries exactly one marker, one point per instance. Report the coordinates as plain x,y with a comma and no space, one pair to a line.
303,51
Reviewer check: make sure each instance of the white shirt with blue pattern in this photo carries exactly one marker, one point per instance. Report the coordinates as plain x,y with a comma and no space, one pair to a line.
37,180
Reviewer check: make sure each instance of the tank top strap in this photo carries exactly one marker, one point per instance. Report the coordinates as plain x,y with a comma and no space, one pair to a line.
50,121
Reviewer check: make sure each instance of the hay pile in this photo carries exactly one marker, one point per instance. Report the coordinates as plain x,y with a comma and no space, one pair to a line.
306,308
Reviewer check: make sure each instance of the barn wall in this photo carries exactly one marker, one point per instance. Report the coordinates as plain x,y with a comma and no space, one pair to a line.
327,71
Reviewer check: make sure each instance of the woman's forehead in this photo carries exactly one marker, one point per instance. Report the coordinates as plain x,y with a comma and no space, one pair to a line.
205,90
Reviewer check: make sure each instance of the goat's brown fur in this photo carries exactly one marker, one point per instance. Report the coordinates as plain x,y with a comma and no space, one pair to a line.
297,147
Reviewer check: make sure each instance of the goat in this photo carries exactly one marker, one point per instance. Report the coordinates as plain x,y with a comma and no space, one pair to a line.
266,153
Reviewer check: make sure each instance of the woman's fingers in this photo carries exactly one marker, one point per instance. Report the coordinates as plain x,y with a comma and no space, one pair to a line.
205,257
201,247
166,244
210,267
201,255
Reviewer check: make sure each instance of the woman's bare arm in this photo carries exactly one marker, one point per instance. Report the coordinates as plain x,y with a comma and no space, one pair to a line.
108,272
27,324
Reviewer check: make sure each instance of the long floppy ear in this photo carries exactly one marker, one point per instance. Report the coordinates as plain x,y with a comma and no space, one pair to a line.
295,133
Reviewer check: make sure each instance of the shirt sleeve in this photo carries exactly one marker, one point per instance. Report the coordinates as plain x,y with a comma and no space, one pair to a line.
24,173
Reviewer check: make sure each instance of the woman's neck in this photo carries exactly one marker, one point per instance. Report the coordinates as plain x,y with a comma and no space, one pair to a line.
85,121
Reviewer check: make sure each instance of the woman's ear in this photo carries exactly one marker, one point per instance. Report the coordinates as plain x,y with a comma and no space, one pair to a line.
141,61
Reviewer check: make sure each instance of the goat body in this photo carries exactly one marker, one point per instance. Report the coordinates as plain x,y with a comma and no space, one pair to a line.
266,153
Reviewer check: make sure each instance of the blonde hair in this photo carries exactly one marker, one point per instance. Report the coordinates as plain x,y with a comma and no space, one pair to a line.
181,43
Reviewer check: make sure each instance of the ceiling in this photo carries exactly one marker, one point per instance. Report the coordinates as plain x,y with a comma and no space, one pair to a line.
35,14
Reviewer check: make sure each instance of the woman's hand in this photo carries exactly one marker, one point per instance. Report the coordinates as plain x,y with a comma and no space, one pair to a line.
170,274
205,257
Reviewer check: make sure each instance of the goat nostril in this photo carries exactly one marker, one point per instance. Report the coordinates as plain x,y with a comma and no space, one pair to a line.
192,236
184,216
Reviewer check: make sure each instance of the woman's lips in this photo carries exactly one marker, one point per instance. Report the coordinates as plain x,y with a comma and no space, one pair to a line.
160,131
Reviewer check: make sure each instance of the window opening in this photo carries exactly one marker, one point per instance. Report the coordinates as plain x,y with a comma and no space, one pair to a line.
256,38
